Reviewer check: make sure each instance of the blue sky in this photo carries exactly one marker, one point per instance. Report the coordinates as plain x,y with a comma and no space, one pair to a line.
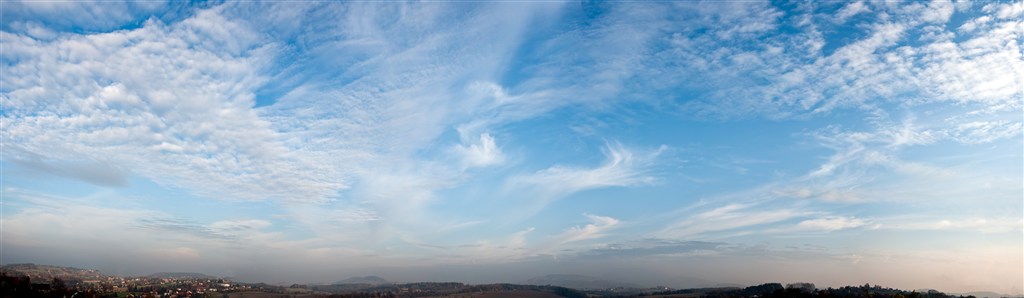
673,143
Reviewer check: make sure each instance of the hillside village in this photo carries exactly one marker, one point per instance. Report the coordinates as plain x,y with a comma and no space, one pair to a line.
31,280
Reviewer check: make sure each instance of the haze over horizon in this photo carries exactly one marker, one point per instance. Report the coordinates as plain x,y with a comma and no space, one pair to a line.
671,143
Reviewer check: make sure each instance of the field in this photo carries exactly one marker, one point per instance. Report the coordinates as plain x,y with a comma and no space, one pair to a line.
266,295
510,294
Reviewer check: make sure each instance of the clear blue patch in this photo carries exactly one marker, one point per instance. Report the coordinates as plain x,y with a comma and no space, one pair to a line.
68,18
837,36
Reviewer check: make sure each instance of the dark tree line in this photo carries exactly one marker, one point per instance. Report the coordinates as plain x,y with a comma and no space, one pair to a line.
451,288
776,290
23,286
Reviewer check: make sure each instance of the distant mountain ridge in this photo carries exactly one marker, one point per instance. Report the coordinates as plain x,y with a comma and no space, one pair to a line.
181,275
71,273
45,272
369,280
987,294
374,284
580,282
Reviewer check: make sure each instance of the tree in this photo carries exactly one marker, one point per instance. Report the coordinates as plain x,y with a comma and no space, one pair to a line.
57,284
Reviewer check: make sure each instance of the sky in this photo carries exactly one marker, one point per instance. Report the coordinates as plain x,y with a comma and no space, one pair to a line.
661,143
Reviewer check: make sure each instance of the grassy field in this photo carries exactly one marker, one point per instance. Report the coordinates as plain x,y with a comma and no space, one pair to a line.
510,294
266,295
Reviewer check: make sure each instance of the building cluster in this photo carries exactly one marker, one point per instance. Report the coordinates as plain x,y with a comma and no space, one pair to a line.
175,287
29,280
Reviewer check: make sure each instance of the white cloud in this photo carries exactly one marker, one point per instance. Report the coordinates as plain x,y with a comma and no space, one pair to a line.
357,215
851,10
830,223
593,230
481,154
937,12
986,225
907,134
873,164
877,71
230,226
194,129
1008,10
974,24
523,245
726,218
89,16
197,128
852,258
985,131
622,167
518,240
835,190
503,249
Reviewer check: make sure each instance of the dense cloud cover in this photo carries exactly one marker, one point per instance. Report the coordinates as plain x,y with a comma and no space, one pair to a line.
674,141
